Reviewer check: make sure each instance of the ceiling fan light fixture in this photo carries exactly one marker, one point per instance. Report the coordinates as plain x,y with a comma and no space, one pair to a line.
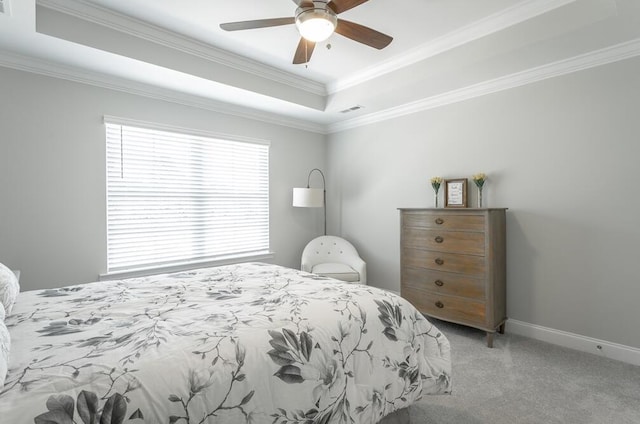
316,24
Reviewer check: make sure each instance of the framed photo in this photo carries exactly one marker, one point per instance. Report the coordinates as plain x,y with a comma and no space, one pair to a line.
455,193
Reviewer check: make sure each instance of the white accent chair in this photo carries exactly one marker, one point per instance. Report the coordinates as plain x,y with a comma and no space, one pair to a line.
334,257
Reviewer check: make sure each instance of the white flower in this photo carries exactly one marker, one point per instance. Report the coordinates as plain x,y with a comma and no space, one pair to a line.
375,406
200,379
326,371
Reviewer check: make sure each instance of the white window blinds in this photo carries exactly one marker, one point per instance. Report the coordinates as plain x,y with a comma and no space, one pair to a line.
178,198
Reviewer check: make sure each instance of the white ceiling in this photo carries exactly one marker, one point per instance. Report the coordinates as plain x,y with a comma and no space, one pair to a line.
175,49
410,22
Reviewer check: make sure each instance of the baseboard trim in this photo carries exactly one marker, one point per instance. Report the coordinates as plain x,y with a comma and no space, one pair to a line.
628,354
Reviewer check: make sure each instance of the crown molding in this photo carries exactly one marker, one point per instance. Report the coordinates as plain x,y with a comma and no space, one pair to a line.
49,69
581,62
90,12
584,61
478,29
577,63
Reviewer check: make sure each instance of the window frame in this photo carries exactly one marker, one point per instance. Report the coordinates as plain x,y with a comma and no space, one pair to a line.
179,265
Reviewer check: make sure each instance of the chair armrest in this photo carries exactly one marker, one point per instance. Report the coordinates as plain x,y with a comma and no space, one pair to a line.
306,266
361,266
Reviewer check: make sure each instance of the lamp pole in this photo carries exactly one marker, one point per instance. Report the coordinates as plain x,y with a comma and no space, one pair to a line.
324,195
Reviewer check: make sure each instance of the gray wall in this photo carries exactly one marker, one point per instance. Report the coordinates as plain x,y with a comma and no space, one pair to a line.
561,154
52,174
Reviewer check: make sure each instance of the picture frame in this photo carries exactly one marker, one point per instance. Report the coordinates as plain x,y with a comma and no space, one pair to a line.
455,193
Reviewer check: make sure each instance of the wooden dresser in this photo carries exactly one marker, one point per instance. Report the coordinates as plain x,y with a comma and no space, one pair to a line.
453,265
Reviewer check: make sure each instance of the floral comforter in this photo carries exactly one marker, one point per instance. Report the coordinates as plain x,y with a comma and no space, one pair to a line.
249,343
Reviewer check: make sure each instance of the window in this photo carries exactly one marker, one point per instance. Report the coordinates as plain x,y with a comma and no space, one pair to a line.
175,199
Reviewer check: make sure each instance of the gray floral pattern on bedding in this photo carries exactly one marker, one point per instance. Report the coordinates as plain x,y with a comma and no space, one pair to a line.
249,343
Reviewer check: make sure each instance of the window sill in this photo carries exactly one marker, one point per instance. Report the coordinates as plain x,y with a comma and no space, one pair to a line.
143,272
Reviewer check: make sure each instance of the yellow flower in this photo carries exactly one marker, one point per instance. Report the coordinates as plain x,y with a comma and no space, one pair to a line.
435,183
479,179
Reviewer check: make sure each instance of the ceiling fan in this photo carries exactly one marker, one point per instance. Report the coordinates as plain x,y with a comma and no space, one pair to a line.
316,21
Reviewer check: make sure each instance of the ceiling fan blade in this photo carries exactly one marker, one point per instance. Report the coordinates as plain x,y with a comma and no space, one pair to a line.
260,23
304,3
304,51
340,6
363,34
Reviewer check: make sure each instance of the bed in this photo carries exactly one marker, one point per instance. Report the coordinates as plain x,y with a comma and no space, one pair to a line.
246,343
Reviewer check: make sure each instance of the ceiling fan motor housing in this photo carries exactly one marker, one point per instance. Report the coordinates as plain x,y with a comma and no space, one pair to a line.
316,23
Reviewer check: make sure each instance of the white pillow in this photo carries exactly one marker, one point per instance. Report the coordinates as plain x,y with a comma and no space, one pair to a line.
5,344
3,314
9,288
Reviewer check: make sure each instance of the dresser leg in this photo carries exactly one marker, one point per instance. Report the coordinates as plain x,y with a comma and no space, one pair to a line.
489,339
501,328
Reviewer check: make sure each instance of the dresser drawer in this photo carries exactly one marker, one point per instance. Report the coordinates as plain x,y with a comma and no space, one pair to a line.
446,307
468,242
443,282
440,261
443,220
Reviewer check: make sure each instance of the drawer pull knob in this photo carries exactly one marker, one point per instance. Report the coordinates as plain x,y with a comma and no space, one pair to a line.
439,304
439,239
439,261
438,283
439,221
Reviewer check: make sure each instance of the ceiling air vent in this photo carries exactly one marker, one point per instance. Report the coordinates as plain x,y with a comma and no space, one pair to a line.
352,109
5,7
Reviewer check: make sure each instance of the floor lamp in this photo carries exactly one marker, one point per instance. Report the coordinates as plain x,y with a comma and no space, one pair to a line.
312,197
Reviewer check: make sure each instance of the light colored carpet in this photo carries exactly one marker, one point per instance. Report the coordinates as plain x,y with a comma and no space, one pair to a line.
522,380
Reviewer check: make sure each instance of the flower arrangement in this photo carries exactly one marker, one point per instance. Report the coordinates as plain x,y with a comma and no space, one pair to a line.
435,183
479,180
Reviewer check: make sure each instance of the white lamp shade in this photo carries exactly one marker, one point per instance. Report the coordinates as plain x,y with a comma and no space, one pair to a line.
308,197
